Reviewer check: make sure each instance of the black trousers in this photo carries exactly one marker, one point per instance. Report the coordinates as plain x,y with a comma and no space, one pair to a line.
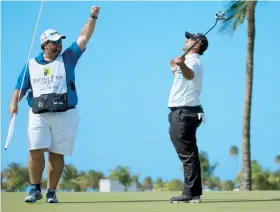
184,122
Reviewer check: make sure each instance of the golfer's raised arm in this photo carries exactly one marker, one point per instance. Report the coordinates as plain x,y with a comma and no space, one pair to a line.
88,29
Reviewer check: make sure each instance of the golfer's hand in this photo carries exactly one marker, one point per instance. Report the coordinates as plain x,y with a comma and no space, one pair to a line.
94,11
179,61
173,66
13,109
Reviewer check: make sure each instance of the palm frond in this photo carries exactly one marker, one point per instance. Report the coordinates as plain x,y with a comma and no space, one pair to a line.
277,159
236,13
233,151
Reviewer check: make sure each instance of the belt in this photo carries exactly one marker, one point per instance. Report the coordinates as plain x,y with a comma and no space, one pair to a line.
186,107
197,110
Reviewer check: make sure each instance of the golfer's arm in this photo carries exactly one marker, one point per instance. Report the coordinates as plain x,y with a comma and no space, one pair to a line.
187,72
15,97
86,33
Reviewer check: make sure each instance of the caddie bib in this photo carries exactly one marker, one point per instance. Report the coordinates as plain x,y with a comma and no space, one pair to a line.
49,86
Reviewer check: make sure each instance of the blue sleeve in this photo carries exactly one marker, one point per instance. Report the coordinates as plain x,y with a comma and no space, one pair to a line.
25,82
73,53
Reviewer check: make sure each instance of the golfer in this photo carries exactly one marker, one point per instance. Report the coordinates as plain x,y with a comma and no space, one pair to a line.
186,114
53,118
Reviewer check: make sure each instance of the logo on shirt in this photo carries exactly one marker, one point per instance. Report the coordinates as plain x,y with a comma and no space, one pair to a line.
47,71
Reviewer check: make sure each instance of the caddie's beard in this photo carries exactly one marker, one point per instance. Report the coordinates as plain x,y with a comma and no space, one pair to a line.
55,51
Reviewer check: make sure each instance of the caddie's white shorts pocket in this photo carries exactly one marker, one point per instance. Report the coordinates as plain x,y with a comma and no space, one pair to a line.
54,131
38,131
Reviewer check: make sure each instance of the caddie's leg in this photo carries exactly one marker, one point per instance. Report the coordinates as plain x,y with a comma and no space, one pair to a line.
39,137
64,126
55,169
36,165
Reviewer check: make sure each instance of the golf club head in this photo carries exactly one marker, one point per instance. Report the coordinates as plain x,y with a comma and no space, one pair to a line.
220,16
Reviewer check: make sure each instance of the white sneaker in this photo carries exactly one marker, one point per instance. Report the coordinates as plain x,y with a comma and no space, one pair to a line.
33,195
51,196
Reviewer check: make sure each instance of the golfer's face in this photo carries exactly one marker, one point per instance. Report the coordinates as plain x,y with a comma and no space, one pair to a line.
188,43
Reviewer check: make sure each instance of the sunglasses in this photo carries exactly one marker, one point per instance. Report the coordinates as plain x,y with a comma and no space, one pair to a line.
56,42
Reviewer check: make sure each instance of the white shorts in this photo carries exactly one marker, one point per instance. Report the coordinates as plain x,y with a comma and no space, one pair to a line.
55,132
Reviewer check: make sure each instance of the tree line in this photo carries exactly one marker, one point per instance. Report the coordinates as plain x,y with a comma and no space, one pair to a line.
16,178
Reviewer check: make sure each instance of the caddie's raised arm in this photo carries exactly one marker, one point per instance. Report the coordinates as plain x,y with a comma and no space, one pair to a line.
88,29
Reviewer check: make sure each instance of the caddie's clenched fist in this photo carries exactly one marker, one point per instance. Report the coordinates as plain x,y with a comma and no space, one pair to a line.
94,11
13,109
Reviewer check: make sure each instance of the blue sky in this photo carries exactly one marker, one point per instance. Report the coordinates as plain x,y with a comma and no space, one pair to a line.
123,82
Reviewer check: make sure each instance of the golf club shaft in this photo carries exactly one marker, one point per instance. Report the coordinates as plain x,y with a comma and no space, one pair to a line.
199,40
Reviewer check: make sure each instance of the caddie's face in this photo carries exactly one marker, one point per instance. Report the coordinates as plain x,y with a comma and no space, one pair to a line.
54,47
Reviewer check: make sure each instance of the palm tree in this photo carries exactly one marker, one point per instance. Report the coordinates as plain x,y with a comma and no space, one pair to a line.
94,177
135,179
207,170
2,179
277,159
234,152
69,179
159,184
148,183
122,174
17,177
236,13
82,181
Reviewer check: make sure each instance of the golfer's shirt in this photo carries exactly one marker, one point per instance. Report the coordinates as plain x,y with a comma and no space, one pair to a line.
187,92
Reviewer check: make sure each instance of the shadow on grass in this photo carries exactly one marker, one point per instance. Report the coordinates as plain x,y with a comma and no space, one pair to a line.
118,201
203,201
241,200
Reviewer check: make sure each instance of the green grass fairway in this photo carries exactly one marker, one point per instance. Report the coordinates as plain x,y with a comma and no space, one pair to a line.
266,201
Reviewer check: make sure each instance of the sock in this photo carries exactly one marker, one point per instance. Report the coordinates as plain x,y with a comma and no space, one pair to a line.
37,186
50,190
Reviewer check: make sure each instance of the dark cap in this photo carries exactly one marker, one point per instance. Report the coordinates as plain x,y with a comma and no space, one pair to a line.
198,37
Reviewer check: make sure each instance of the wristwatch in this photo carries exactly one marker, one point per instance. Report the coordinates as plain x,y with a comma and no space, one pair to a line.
93,16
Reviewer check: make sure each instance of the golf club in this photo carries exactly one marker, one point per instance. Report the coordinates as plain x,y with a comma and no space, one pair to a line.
13,119
220,15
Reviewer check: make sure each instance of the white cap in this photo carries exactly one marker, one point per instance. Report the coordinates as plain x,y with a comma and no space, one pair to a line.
52,35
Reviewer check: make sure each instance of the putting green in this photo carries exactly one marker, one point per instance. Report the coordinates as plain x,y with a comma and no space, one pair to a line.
265,201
